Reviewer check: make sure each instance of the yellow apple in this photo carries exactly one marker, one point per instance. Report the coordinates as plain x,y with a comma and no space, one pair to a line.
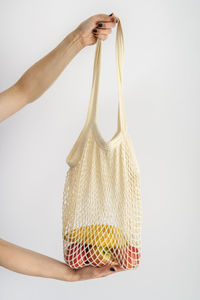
99,256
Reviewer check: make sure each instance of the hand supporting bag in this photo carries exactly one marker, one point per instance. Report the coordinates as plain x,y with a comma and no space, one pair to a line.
101,214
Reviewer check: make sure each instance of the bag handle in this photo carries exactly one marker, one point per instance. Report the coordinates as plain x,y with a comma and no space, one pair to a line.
119,50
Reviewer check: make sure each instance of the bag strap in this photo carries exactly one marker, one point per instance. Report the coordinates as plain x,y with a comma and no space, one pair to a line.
119,48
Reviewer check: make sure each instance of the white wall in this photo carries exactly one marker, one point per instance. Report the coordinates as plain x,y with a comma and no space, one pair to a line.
161,90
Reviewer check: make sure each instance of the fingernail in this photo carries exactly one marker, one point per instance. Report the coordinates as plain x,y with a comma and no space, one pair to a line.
94,30
100,25
110,15
112,269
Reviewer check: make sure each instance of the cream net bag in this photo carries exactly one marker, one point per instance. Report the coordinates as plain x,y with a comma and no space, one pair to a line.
101,200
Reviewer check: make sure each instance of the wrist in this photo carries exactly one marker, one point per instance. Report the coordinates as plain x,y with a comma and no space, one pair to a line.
70,274
79,38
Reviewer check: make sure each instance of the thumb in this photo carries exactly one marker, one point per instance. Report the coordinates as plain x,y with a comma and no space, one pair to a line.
104,17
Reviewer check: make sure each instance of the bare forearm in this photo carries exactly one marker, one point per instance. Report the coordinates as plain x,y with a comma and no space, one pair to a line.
37,79
31,263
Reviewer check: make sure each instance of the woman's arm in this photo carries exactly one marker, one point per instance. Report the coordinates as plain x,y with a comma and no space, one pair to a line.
39,77
31,263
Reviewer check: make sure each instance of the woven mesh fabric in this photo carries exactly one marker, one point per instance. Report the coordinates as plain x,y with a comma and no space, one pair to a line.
102,214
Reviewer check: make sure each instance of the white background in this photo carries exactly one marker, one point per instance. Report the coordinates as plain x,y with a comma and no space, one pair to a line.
161,91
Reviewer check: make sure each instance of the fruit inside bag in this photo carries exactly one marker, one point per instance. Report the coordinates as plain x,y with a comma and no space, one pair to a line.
98,245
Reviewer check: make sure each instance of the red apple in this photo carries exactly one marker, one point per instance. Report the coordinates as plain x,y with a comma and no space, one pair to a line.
99,256
128,257
75,255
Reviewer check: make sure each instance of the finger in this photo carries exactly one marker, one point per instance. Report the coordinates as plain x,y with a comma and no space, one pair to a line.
108,270
114,19
105,271
103,31
90,272
106,25
119,269
103,17
102,37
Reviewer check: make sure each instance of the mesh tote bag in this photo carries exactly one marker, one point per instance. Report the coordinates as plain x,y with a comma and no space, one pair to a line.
101,211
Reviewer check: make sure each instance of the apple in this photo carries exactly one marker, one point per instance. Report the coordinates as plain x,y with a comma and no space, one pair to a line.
128,257
99,256
75,255
114,255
